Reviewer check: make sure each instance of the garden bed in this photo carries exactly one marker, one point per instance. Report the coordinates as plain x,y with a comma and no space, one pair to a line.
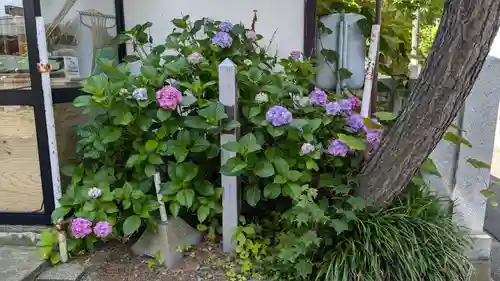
116,262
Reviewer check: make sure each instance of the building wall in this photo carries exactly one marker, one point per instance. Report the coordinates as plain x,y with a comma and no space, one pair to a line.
285,17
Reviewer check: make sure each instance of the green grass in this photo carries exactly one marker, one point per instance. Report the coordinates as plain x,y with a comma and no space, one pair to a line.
413,240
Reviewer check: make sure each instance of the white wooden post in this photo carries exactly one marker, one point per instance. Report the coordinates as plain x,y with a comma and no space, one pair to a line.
51,129
228,96
370,71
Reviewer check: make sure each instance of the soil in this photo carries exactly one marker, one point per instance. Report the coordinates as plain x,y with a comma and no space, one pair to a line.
115,262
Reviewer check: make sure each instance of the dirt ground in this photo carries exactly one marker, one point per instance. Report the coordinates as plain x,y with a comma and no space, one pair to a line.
116,262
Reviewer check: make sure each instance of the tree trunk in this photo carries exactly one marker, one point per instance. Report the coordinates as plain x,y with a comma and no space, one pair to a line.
462,43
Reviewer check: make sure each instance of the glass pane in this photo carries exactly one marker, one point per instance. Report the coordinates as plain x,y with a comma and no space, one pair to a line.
14,66
20,183
79,32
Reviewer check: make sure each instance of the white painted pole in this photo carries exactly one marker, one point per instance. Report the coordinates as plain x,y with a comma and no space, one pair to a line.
51,130
228,96
163,211
371,68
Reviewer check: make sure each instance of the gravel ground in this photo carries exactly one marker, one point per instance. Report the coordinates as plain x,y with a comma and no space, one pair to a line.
117,263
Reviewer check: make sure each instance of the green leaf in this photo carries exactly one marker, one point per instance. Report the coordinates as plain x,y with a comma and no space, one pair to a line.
252,196
174,208
203,213
59,213
124,118
304,268
281,166
353,142
188,100
369,124
311,165
232,146
150,72
264,169
163,114
234,167
82,101
196,122
204,188
248,144
344,73
132,160
294,175
275,131
96,84
200,145
357,203
478,164
110,134
330,55
385,116
429,167
180,23
155,159
339,226
185,197
186,171
151,145
255,74
279,179
214,112
456,139
272,191
149,170
131,225
488,193
292,190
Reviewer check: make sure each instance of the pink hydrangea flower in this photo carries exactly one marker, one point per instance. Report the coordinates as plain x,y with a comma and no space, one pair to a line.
102,229
168,97
81,227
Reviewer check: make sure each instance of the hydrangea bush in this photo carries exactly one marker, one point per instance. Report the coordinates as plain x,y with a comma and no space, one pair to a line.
297,157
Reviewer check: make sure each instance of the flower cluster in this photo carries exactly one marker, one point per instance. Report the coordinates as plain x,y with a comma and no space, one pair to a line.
225,26
278,116
82,227
307,148
222,39
251,35
318,97
168,97
195,58
296,55
261,98
140,94
338,148
94,192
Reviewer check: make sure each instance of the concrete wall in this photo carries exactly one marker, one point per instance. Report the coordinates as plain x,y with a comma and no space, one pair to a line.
285,17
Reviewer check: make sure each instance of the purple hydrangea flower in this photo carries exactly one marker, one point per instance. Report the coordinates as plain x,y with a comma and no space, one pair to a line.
346,106
222,39
307,148
333,108
278,115
338,148
102,229
81,227
373,138
225,26
355,123
296,54
168,97
318,97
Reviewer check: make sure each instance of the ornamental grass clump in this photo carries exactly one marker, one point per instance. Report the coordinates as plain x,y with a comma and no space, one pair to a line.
413,239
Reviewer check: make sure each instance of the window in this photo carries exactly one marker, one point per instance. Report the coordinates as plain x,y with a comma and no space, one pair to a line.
14,66
79,33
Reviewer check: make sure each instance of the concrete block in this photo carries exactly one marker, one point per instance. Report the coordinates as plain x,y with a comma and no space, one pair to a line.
72,271
19,263
168,238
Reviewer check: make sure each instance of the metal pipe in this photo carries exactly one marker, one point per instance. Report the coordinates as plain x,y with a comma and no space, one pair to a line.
344,59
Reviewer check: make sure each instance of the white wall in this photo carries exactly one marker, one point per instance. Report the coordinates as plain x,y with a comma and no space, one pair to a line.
285,16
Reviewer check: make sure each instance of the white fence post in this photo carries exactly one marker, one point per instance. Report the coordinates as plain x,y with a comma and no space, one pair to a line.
228,96
51,129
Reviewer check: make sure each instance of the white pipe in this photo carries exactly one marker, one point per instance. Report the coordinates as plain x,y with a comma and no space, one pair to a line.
163,211
372,56
51,130
340,63
344,59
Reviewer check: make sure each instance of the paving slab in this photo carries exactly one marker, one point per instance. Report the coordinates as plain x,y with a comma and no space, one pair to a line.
72,271
20,263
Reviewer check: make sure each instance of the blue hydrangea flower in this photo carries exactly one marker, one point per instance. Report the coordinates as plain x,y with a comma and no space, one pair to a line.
140,94
318,97
222,39
346,106
307,148
278,116
338,148
373,138
333,108
355,123
225,26
94,192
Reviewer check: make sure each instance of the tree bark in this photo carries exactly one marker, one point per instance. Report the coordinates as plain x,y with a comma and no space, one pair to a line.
462,43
